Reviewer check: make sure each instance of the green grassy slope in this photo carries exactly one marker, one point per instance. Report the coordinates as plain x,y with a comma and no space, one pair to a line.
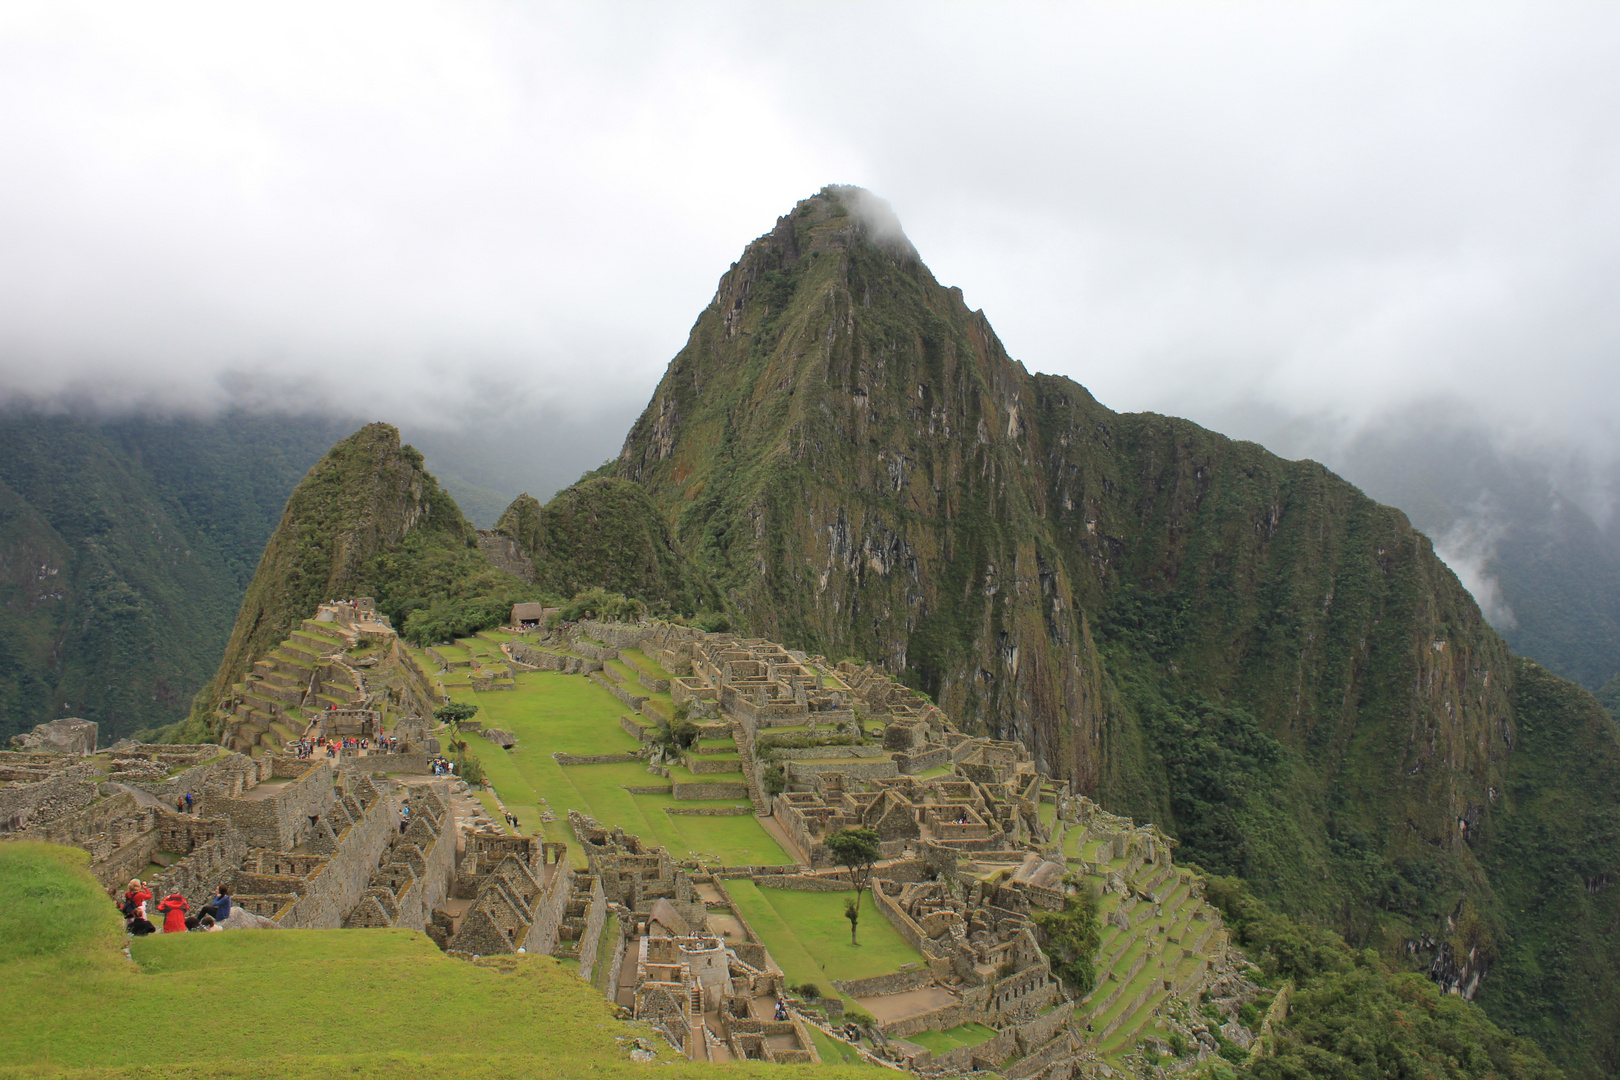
283,1003
808,935
569,714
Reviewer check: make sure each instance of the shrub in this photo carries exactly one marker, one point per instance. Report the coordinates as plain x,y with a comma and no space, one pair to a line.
775,779
598,603
807,990
1071,938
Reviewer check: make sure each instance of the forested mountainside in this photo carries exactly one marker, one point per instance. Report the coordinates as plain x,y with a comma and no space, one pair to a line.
124,549
1246,650
367,520
1554,566
564,541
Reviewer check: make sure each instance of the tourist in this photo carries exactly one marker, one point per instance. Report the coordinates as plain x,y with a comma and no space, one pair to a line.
135,896
140,925
173,909
220,906
404,819
180,805
189,802
207,924
781,1010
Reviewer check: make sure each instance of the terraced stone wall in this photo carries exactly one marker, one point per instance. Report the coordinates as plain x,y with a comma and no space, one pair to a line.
336,887
280,821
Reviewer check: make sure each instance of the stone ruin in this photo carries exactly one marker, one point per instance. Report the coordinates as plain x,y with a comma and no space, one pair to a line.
711,993
971,852
70,736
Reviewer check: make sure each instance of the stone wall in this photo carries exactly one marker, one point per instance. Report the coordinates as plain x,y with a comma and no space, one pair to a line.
591,936
281,821
544,660
710,765
710,789
811,753
634,730
878,769
634,701
594,759
921,761
37,805
899,982
652,682
549,912
214,852
336,887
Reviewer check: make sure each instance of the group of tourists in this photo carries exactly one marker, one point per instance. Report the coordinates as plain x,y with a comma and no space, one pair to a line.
184,804
443,767
511,819
306,748
175,911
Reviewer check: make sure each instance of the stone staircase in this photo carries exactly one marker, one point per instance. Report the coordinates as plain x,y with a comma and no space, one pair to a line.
744,738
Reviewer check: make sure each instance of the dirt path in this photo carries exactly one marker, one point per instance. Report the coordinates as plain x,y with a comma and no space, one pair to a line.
891,1007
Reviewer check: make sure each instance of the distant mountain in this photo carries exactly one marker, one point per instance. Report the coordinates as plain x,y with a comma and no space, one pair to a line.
1548,570
1246,650
367,520
124,549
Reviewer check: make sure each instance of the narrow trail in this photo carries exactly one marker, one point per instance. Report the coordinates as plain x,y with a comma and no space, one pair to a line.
142,798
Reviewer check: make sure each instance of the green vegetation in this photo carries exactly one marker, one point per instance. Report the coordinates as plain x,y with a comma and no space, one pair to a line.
855,850
446,620
367,520
805,933
76,1007
1071,938
565,543
1351,1016
598,603
555,713
953,1038
128,544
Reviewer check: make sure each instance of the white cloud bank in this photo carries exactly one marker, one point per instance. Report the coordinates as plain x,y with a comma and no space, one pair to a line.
424,211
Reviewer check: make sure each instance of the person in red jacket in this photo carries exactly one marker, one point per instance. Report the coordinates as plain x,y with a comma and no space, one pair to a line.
173,909
134,896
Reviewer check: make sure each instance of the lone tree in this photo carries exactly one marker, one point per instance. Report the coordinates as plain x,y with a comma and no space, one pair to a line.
468,767
856,850
455,712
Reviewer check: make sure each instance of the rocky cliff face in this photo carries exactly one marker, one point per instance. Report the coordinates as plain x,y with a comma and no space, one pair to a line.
368,520
1189,628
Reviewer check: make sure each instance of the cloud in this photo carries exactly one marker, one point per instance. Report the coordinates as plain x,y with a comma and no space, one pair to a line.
1469,547
446,212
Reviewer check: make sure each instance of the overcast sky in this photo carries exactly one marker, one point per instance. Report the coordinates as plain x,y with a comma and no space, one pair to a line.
1244,213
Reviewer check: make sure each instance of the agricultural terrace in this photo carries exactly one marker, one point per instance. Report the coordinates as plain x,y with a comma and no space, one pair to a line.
808,935
551,713
257,1005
